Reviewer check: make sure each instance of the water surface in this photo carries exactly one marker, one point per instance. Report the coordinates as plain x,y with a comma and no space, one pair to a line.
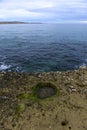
43,47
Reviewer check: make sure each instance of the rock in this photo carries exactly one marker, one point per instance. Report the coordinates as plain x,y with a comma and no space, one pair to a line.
85,91
64,123
45,90
69,90
71,87
39,76
74,90
4,97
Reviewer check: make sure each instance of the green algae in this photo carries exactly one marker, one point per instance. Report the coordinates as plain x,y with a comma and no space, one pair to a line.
31,97
34,95
19,108
26,96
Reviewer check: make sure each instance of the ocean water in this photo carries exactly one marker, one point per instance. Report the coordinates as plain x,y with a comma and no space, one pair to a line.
43,47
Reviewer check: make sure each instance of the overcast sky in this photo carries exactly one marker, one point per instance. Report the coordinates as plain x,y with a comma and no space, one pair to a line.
44,10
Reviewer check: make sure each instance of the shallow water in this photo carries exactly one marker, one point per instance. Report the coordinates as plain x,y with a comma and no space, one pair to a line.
43,47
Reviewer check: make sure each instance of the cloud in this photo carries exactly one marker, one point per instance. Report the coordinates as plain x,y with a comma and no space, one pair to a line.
14,9
43,10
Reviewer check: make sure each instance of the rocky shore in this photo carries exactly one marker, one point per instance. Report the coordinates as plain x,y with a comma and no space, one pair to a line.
43,101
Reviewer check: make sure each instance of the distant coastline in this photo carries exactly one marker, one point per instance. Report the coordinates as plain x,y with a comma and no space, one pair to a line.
18,22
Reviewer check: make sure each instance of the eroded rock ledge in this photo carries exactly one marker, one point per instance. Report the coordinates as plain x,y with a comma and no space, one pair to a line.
22,109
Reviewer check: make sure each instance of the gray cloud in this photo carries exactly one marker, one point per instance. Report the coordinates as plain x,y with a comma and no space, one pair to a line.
43,10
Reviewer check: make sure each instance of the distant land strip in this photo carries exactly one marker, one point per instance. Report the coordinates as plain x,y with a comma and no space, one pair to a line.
17,22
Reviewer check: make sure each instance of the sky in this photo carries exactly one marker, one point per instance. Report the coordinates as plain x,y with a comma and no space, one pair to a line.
44,10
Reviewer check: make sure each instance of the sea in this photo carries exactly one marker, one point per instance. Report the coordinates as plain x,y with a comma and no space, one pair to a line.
42,47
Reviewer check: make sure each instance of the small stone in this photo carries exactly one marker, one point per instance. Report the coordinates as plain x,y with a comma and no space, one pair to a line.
69,127
85,81
64,123
49,127
14,124
71,87
69,78
4,97
39,76
69,90
85,91
2,110
74,90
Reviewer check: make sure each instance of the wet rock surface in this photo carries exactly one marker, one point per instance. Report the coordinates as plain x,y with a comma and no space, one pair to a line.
45,90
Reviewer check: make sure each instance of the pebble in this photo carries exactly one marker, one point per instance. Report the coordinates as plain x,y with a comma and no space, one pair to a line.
85,81
72,89
39,76
85,91
3,97
69,90
50,127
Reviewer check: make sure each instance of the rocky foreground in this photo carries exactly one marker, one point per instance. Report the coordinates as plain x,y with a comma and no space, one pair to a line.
22,109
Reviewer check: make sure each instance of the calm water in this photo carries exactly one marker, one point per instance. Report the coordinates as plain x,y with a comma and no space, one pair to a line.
43,47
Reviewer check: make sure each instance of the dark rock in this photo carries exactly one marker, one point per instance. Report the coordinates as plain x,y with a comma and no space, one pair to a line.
45,90
64,123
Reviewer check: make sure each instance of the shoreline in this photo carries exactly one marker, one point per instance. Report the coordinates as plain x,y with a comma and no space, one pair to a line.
67,109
